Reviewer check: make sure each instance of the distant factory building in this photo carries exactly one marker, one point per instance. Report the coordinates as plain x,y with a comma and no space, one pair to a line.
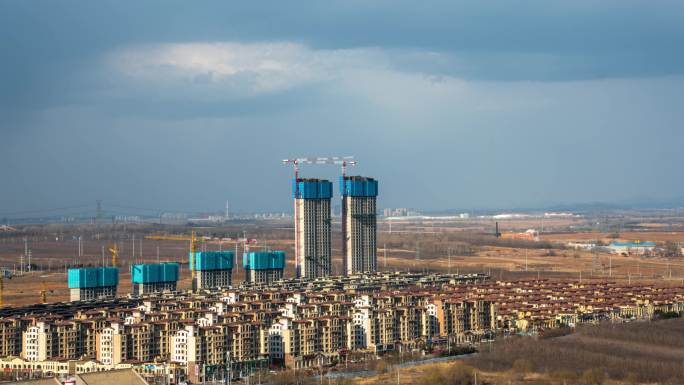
635,247
213,269
154,278
312,227
529,235
263,267
90,283
359,224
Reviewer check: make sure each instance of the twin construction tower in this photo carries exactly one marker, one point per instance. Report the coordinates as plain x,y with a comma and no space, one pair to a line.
313,222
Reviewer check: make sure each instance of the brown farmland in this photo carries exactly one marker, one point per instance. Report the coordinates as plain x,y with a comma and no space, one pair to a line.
443,248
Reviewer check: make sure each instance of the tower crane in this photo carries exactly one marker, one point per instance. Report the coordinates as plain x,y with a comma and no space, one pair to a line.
193,247
343,161
295,164
43,294
114,250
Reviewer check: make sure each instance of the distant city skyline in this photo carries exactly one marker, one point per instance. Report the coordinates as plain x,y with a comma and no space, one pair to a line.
450,105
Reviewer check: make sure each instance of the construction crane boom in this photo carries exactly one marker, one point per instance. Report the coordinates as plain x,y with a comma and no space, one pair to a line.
343,161
169,237
193,246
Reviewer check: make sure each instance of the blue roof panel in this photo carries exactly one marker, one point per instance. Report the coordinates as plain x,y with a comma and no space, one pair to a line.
311,189
89,277
633,244
357,186
264,260
213,260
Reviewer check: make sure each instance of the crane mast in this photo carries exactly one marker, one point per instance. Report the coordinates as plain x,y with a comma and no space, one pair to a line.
193,247
343,219
43,294
344,161
295,164
193,251
114,250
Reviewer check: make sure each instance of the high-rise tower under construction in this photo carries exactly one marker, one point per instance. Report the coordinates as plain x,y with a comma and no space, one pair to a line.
359,224
312,227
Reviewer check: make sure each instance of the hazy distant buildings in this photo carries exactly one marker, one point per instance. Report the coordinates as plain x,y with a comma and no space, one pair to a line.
359,223
312,227
399,212
127,219
632,247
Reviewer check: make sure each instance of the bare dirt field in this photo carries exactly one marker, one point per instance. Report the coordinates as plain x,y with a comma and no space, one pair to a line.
51,258
441,249
655,236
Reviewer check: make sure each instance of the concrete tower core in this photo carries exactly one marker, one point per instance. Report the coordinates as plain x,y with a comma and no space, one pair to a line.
359,232
312,227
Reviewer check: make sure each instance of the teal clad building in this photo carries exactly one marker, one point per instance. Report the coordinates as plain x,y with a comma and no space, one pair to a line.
213,269
154,277
92,283
263,267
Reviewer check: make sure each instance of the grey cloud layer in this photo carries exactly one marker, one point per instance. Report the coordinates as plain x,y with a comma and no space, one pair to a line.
503,104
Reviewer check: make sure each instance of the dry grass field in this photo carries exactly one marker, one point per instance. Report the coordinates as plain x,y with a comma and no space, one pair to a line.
608,354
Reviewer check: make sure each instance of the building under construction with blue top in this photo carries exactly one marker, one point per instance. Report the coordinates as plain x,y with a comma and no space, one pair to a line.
212,269
154,277
263,267
312,227
359,224
93,283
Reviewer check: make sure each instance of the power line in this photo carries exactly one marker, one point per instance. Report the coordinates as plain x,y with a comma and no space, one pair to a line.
44,210
135,208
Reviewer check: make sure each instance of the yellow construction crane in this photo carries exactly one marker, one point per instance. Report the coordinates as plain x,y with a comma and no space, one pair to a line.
193,247
43,294
115,254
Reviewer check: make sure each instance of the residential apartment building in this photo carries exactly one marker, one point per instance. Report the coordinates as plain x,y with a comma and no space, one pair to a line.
198,334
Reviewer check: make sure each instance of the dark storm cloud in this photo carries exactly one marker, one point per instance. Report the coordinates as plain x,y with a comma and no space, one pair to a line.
49,46
548,101
593,38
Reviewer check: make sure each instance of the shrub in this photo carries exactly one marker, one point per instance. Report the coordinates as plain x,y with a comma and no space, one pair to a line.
594,376
522,366
381,367
453,374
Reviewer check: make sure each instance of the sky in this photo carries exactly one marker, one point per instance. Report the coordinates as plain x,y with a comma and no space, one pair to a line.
182,106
